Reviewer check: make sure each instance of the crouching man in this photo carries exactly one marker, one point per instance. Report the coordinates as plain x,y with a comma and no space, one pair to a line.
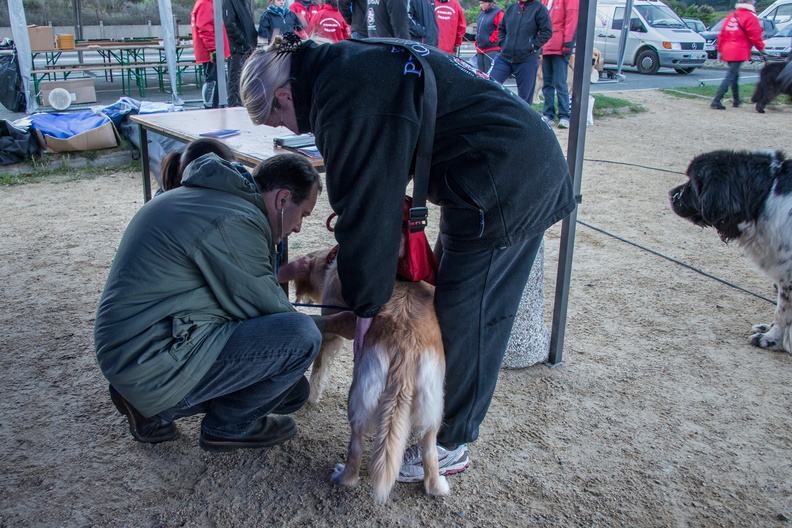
192,319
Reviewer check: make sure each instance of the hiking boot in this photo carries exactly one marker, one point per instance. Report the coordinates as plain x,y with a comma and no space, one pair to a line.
146,430
717,105
269,431
563,123
450,461
736,103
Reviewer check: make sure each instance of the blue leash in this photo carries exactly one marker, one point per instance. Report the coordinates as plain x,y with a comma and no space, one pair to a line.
331,306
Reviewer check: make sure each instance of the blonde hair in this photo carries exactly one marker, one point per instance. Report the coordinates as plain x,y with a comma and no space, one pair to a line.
264,72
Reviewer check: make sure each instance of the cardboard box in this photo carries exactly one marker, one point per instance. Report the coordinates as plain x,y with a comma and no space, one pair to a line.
104,136
41,38
81,90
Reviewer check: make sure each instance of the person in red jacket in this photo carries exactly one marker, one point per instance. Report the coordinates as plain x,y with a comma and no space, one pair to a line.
305,10
328,23
555,59
451,23
203,33
740,31
487,34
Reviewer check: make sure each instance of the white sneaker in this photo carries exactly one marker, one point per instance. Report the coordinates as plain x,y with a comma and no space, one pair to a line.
547,120
450,461
563,123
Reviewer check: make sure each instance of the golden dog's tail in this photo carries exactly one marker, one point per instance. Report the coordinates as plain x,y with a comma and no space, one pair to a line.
393,424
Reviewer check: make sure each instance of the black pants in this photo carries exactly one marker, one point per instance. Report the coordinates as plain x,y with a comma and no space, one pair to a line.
210,93
732,79
476,300
235,65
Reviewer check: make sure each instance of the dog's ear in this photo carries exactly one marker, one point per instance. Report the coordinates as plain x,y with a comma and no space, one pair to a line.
715,179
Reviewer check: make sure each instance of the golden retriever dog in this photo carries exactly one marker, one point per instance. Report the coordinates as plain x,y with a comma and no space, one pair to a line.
597,65
397,380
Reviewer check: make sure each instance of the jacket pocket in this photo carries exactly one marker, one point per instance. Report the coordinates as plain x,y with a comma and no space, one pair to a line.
189,331
471,222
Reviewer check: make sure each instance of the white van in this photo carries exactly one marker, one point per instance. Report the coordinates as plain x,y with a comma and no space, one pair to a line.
657,38
780,13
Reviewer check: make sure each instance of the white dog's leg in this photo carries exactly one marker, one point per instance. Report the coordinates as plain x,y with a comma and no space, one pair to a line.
778,334
320,371
368,382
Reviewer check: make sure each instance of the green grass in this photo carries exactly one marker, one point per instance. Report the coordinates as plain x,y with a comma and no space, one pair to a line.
608,106
61,174
708,90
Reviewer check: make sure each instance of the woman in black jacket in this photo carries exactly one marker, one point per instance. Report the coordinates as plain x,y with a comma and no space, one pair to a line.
277,20
523,31
497,172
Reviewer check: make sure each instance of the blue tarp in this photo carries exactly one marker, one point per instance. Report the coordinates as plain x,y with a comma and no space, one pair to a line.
64,126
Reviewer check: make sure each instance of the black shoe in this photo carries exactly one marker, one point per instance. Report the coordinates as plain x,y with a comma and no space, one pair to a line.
717,105
147,430
269,431
736,103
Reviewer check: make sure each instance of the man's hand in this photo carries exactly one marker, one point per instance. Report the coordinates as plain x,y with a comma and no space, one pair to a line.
342,323
296,269
567,50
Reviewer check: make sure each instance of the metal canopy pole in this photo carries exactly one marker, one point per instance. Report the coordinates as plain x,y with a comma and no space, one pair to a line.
575,146
222,88
625,32
19,29
169,38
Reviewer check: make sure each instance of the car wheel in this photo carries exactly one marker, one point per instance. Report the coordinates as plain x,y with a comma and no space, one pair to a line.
647,62
685,71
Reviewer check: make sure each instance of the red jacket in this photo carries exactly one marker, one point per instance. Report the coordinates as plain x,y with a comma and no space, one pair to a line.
328,23
740,30
303,12
451,23
564,17
203,34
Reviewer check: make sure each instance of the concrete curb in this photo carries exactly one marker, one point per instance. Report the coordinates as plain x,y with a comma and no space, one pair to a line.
70,160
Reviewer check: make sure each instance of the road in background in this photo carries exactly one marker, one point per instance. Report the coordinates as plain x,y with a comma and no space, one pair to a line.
109,92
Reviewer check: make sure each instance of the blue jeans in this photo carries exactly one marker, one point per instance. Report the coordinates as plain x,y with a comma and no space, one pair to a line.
732,79
259,372
554,71
524,73
476,299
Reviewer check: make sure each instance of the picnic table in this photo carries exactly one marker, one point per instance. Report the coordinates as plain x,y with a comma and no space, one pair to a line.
131,58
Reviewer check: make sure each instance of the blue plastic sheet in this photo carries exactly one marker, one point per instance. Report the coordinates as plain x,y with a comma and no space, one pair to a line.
64,126
119,110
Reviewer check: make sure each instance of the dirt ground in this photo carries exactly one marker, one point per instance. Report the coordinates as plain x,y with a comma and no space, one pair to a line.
661,415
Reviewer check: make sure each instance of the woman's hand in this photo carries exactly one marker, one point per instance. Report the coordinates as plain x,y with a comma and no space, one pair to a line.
362,327
342,323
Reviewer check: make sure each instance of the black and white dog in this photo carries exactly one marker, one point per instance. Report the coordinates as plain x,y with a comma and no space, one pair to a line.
747,196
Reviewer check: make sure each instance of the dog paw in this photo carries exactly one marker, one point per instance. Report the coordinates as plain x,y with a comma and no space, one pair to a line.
340,477
761,328
763,341
438,488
